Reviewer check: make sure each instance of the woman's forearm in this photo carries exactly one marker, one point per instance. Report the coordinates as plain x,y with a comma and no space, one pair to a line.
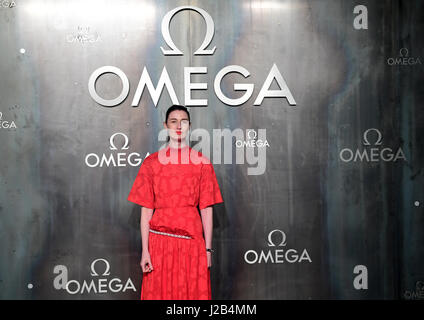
207,221
146,215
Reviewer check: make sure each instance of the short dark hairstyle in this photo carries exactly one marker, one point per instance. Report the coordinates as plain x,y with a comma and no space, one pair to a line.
176,107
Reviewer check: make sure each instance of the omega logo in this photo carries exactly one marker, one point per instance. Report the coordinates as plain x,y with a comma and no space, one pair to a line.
252,140
165,81
379,137
99,284
4,124
105,273
403,59
210,30
283,238
119,159
371,153
278,254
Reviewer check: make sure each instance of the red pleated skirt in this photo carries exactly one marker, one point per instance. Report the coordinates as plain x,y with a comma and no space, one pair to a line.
180,269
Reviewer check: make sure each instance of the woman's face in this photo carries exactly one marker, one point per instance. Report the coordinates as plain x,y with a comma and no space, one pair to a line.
177,125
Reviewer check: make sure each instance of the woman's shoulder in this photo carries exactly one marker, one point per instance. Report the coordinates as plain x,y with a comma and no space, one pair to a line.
150,158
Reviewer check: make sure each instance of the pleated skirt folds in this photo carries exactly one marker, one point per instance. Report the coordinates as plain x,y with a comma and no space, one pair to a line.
180,270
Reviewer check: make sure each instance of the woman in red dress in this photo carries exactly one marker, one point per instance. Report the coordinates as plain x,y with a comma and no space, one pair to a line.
176,239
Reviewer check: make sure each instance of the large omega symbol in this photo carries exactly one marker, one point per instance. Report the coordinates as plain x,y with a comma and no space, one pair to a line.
210,30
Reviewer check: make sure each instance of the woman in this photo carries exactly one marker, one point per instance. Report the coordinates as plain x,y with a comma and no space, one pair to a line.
176,240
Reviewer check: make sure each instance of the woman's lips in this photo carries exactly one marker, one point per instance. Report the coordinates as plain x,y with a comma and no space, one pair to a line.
178,132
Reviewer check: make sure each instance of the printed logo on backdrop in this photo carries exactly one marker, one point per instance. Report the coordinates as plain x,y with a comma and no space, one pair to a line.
7,4
101,281
83,35
115,159
165,80
252,140
417,293
5,124
403,59
278,251
210,30
372,150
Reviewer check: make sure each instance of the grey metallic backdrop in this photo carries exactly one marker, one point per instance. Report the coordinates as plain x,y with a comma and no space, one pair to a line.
354,218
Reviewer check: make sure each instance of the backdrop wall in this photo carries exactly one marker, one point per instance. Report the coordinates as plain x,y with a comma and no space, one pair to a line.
332,206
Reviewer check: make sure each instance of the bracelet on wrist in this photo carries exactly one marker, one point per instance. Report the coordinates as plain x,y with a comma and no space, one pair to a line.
209,250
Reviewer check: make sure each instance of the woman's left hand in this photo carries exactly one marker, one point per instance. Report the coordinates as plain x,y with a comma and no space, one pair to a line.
209,255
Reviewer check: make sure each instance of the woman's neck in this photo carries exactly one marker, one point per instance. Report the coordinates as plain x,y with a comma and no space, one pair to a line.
177,144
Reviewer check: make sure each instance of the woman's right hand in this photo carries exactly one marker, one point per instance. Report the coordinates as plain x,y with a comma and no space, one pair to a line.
146,263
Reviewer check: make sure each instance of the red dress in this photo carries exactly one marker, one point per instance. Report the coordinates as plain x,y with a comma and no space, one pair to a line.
174,190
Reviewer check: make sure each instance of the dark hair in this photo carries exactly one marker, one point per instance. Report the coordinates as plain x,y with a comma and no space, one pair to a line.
173,108
176,107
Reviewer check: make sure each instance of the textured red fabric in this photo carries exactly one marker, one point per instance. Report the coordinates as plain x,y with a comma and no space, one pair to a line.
175,190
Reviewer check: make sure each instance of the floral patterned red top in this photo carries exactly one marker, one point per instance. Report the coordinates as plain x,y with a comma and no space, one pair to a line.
174,181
